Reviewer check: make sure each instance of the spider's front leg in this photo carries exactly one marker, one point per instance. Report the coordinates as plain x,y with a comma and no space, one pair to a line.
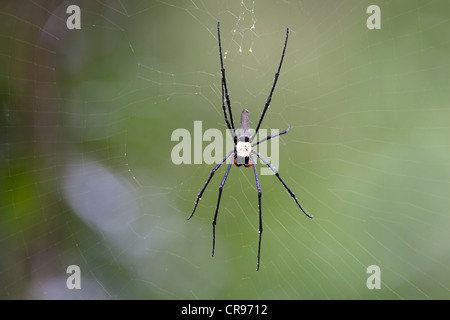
258,187
199,196
222,184
275,171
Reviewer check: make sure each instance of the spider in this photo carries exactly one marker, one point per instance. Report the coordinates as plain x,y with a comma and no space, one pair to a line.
242,153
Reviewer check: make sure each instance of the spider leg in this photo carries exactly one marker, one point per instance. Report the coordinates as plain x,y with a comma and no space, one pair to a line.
225,95
199,196
270,137
232,132
284,184
269,99
218,203
258,186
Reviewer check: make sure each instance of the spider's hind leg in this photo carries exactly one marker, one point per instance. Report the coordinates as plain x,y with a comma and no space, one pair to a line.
225,94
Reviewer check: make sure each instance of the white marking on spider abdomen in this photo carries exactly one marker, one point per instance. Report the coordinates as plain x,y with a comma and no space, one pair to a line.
243,149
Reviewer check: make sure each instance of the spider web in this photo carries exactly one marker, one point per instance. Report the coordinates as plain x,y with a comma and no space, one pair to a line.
87,179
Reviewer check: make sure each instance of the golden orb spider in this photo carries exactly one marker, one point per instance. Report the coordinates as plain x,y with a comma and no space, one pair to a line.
242,154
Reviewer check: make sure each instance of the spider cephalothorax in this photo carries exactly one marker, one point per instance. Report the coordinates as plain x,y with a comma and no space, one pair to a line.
242,154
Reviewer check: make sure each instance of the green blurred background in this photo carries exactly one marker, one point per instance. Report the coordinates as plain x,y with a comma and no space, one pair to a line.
86,176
